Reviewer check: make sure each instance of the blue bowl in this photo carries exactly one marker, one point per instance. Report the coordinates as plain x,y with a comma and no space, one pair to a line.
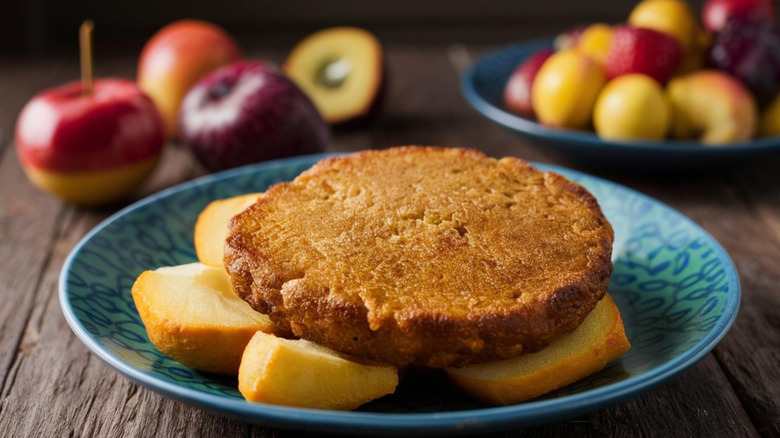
676,288
483,87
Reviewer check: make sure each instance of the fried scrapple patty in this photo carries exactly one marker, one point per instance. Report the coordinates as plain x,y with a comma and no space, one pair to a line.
424,256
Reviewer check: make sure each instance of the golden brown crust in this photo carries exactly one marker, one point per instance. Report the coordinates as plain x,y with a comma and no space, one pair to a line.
426,256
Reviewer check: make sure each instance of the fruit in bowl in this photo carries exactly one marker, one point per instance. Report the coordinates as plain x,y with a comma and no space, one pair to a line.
248,112
671,17
632,107
176,57
341,69
89,147
565,90
712,107
670,59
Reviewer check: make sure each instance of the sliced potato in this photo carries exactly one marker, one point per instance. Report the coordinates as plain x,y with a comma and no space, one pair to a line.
211,229
193,316
598,341
303,374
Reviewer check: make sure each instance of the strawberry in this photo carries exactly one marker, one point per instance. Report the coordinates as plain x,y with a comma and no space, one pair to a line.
641,50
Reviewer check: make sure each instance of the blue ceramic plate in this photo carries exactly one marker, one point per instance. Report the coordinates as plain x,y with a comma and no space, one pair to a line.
675,286
483,87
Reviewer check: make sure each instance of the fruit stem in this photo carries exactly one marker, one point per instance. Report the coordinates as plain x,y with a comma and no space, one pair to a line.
85,50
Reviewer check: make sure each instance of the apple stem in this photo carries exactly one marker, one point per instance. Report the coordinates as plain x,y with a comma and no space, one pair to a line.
85,46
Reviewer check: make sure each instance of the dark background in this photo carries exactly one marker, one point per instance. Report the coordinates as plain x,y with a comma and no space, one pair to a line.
37,28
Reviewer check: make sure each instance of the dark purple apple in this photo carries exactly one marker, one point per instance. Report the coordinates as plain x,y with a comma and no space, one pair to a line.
716,13
749,49
248,112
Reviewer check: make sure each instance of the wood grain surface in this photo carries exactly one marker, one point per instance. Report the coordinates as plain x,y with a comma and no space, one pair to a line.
51,386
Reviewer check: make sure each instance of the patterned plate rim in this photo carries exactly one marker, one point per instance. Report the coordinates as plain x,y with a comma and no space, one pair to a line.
452,422
530,127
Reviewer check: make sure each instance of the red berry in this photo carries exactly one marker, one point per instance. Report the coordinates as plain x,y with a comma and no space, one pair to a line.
645,51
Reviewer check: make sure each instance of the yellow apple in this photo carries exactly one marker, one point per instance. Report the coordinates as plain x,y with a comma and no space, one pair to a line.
565,89
595,42
713,107
672,17
630,107
192,315
599,340
303,374
211,228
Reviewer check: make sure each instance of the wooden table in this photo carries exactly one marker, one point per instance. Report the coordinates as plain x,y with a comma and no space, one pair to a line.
53,387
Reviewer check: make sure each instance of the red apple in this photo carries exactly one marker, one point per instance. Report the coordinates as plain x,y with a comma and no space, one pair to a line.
90,149
517,94
249,112
716,13
176,58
